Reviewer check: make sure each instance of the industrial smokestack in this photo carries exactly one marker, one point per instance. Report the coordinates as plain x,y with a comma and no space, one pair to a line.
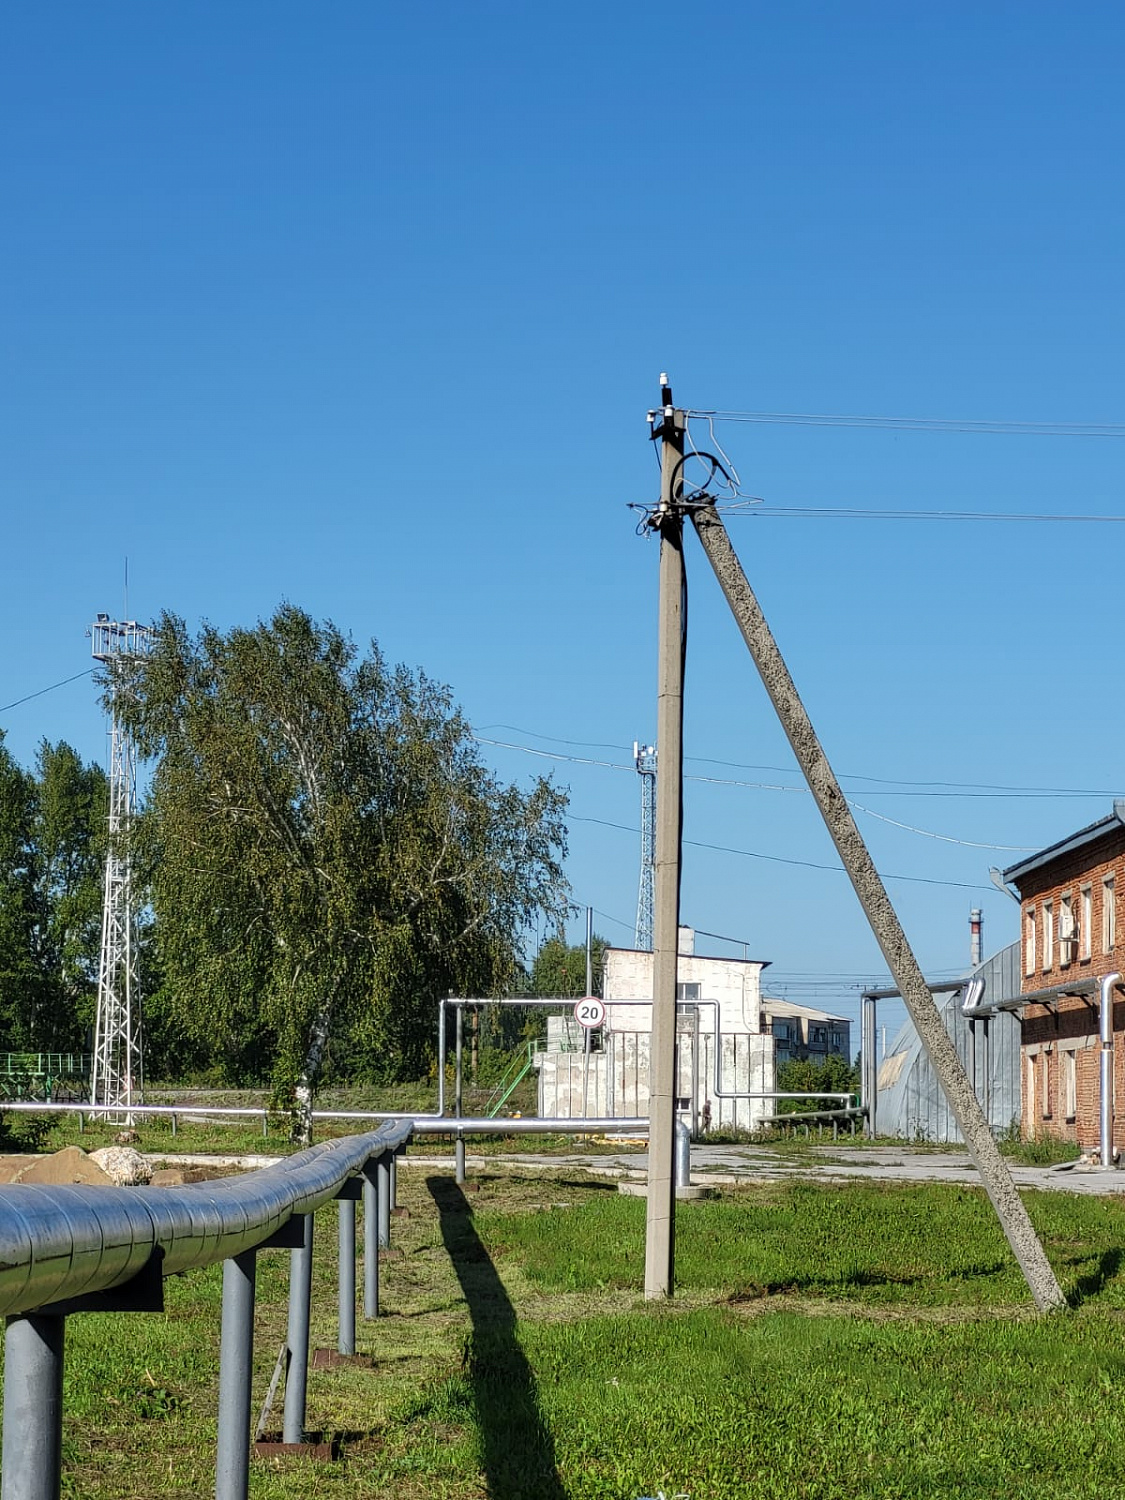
976,927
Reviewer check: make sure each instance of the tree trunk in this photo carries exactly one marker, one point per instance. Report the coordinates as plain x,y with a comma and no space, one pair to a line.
303,1093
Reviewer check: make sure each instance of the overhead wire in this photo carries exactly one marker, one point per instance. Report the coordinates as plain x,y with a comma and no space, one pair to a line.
995,427
779,859
871,514
908,787
40,693
763,786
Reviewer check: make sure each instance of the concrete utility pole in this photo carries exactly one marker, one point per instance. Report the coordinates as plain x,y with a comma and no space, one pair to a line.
877,906
668,520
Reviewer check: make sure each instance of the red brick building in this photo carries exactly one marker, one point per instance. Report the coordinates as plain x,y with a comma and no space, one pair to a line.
1071,938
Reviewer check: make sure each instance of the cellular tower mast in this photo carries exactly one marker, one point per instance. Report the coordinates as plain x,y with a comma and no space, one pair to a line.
644,757
116,1079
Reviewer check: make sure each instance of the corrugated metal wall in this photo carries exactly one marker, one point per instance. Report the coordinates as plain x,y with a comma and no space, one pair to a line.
912,1106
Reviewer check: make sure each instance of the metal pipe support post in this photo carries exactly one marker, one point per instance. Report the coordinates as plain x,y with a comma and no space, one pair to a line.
236,1370
345,1342
297,1368
370,1243
33,1377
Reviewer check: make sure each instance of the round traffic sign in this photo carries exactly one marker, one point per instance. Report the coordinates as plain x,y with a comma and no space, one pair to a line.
589,1011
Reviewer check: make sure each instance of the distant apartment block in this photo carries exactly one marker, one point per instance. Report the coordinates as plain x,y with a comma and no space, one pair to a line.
805,1033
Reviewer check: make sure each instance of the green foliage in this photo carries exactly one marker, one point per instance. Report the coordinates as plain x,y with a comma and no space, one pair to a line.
1047,1152
52,849
326,851
72,804
560,968
22,981
806,1076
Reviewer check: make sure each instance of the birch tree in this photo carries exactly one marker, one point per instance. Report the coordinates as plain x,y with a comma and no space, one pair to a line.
327,852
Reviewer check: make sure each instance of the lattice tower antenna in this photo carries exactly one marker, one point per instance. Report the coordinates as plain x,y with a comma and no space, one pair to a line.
117,1078
644,758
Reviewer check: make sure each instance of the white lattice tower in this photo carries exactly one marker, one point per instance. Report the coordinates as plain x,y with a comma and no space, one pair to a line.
117,1078
644,757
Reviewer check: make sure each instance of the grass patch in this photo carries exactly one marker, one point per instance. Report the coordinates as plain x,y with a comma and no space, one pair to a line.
840,1343
922,1245
1044,1153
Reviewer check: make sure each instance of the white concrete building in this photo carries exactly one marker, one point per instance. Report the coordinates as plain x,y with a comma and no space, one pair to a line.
724,1055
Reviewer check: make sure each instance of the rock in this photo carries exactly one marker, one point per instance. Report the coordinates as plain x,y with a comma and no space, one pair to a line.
122,1165
167,1177
64,1169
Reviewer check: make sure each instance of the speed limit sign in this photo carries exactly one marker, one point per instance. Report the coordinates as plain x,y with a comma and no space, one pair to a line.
589,1012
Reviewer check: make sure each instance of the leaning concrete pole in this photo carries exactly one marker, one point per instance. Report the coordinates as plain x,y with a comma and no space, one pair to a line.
878,909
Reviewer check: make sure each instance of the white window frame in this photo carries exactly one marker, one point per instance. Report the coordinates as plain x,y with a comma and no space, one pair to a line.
1045,1086
1048,935
1085,920
1030,942
1069,1084
1067,933
1109,914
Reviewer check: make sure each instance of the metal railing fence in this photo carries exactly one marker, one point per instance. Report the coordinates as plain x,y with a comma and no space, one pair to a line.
45,1064
65,1250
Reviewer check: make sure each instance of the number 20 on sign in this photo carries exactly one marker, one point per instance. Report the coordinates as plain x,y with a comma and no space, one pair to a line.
589,1012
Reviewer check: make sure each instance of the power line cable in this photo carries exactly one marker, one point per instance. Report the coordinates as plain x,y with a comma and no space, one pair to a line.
778,859
760,786
907,788
870,514
919,424
42,691
943,837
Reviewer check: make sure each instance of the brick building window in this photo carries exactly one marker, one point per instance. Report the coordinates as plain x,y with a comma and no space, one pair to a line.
1085,920
1109,914
1067,933
1045,1085
1029,942
1048,934
1069,1085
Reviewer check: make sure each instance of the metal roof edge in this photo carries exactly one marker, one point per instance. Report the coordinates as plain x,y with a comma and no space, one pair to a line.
1084,836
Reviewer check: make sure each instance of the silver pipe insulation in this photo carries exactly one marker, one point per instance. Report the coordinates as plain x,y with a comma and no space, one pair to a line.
527,1125
60,1242
47,1106
1105,1012
681,1161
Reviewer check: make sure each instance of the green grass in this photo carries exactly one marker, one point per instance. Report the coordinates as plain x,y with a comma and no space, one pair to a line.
840,1343
1044,1153
32,1132
926,1245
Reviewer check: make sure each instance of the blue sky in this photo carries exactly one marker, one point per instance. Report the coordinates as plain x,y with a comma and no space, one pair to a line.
363,306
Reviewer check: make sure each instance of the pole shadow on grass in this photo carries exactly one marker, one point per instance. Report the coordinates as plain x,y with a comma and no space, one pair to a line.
1107,1266
517,1450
